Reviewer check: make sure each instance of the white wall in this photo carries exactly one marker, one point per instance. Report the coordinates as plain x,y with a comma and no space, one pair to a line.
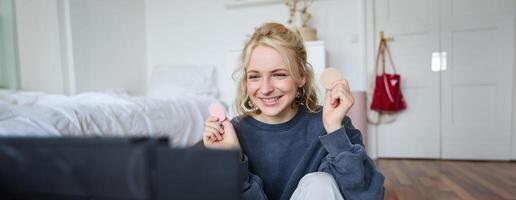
514,111
69,46
201,32
39,45
109,44
8,55
108,39
514,106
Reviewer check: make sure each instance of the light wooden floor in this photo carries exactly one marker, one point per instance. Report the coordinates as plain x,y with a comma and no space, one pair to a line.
448,180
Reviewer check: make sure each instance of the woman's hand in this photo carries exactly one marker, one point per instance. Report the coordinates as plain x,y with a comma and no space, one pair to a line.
337,102
217,135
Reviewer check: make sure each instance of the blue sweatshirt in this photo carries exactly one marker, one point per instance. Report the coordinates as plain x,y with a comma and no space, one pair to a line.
277,156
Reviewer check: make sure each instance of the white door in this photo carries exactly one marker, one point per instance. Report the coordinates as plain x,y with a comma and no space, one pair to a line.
414,26
463,109
476,96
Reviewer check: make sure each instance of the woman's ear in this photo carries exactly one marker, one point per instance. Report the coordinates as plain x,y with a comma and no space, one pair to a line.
302,82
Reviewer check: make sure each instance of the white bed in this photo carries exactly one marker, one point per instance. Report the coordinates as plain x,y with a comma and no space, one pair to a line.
175,106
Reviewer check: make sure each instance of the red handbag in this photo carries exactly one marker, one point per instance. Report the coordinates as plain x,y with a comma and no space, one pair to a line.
387,95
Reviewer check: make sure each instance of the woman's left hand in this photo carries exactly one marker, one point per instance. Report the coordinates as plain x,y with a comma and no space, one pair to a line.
337,102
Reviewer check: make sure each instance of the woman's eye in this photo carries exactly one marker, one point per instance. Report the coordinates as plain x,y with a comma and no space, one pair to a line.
253,76
280,75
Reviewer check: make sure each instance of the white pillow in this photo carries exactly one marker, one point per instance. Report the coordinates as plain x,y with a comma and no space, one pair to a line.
172,81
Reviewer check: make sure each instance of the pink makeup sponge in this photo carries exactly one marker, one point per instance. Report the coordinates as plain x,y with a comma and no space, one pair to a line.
217,110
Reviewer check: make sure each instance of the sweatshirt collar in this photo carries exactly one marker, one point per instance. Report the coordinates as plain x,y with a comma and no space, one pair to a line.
277,127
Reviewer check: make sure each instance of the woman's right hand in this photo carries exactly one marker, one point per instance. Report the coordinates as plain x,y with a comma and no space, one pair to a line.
216,136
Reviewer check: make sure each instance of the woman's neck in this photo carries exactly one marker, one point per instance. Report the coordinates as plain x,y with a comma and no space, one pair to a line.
282,117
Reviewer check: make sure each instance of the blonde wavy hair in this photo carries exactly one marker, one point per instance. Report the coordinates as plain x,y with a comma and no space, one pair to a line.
289,44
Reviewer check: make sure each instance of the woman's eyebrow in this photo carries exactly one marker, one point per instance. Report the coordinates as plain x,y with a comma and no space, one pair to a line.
279,70
253,71
274,70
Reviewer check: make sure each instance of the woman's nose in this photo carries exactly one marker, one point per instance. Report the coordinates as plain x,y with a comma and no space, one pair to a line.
266,86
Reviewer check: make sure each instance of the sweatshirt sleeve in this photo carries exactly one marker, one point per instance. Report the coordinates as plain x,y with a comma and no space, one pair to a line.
252,188
348,163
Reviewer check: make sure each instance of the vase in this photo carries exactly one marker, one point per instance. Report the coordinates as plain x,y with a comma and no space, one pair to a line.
308,33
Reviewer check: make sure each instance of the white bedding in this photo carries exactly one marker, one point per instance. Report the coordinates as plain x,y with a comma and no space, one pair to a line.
103,114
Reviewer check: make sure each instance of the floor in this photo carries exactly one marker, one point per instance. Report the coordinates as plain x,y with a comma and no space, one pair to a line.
448,180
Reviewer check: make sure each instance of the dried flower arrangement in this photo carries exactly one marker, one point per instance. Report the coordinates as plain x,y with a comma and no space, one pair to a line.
305,15
308,33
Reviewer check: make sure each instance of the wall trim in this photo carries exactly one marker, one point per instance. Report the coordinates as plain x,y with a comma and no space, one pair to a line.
368,50
66,43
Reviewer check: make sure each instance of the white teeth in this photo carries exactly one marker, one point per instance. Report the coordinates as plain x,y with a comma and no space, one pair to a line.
268,100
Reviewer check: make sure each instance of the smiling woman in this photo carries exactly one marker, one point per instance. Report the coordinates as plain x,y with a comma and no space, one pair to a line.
291,148
8,61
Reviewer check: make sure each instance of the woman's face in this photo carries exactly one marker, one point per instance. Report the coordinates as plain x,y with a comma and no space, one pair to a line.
270,85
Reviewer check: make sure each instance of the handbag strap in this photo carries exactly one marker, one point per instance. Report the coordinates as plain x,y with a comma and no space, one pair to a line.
388,52
383,49
378,55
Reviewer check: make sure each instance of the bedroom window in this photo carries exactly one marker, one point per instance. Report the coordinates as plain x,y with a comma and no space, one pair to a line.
9,73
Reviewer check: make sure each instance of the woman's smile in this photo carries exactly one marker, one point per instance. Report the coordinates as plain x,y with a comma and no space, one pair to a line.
270,101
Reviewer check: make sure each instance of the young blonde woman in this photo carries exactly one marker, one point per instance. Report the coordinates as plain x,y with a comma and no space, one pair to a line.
291,147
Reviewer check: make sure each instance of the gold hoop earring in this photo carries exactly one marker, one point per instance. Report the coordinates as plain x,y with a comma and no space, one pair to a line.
300,95
248,105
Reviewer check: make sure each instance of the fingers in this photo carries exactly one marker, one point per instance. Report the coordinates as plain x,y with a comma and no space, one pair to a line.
213,133
207,139
327,98
338,93
214,125
226,124
342,82
210,136
213,130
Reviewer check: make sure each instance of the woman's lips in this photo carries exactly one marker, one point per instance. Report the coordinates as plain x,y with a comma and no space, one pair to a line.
270,101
